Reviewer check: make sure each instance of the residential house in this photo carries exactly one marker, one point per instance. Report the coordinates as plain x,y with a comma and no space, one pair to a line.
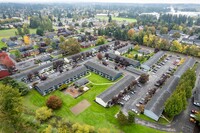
3,71
102,70
87,44
187,41
123,50
166,37
131,62
144,51
197,42
171,32
105,98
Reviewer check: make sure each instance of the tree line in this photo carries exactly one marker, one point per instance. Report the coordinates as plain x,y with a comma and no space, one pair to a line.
177,102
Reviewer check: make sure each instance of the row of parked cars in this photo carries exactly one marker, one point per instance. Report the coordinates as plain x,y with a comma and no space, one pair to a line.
126,97
193,116
159,64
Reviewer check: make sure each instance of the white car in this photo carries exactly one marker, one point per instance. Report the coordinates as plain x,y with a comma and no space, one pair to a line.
135,111
192,115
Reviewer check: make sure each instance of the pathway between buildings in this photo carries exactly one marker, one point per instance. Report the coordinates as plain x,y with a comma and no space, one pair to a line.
166,128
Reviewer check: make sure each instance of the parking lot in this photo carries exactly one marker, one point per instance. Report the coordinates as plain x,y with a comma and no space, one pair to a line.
139,98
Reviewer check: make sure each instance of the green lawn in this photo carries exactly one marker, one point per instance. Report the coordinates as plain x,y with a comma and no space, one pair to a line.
84,49
2,44
142,58
94,115
11,32
160,121
131,20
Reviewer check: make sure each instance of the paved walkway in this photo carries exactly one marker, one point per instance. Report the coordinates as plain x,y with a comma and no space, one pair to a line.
166,128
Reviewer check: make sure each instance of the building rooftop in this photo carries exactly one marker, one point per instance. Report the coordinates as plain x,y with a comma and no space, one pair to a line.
151,61
115,89
102,68
61,78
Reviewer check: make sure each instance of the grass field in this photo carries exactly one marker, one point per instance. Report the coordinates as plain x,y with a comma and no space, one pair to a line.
11,32
130,20
84,49
94,115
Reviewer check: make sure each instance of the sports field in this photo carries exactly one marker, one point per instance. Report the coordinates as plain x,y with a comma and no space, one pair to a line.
130,20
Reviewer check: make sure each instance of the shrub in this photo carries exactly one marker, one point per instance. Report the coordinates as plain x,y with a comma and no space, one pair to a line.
62,87
43,113
54,102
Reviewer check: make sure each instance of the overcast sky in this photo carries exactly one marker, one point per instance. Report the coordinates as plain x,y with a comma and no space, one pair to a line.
118,1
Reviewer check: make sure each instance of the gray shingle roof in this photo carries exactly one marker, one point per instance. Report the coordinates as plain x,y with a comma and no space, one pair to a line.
124,49
134,70
132,62
189,62
115,89
156,104
151,61
81,82
61,78
102,68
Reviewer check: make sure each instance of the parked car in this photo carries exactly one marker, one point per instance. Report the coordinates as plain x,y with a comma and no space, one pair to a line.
194,111
192,116
135,111
121,103
193,120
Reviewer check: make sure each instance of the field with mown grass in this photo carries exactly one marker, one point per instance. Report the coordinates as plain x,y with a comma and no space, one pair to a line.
130,20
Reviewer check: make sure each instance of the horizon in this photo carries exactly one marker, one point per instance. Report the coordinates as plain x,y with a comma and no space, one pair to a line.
103,1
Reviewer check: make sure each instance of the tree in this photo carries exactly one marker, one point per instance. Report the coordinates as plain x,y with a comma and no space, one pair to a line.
131,33
197,117
47,41
176,46
19,32
173,105
143,78
43,113
4,16
136,48
164,30
40,31
122,119
131,117
110,18
26,29
49,129
70,46
176,35
11,106
35,22
99,56
54,102
145,40
62,39
23,31
101,40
